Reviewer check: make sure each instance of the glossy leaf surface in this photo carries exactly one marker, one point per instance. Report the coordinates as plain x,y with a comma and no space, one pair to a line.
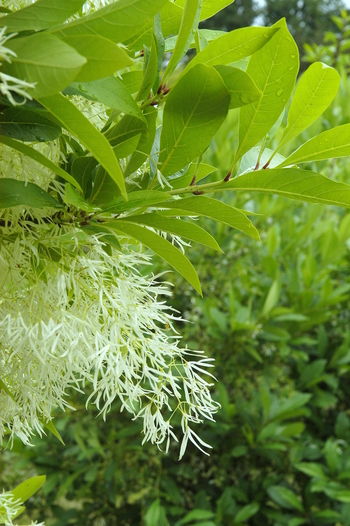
194,111
315,91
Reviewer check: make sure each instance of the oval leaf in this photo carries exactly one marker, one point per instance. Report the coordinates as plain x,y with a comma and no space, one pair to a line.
240,85
315,91
44,60
194,111
285,497
27,489
274,69
28,126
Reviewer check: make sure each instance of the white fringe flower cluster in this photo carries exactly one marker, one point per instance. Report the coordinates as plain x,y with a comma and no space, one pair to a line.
9,509
71,314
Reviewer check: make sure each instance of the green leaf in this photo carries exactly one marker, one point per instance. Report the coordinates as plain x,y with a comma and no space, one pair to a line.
160,246
83,169
27,125
27,489
210,7
240,86
117,21
272,298
19,193
51,427
132,80
311,468
208,207
285,497
150,72
196,515
145,143
274,69
246,512
41,15
127,147
39,158
286,408
139,199
189,23
72,197
111,92
184,229
249,160
125,129
315,91
104,189
234,46
103,57
327,517
45,60
294,183
75,122
329,144
195,109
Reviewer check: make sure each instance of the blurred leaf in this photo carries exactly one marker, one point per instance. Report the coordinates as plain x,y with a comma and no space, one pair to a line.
284,497
246,512
195,516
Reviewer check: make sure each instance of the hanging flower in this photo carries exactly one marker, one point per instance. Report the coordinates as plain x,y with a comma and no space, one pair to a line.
70,315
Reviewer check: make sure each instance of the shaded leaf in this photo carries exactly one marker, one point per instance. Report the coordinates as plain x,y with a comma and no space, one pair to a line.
246,512
39,158
27,125
145,143
16,193
75,122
